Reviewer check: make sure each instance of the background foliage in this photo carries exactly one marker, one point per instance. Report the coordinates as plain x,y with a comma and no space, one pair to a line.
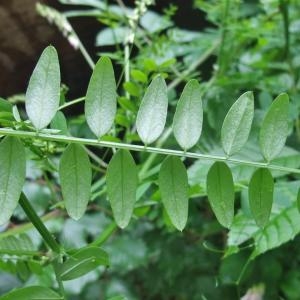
247,46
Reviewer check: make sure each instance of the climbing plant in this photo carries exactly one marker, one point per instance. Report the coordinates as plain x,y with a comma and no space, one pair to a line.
201,170
122,176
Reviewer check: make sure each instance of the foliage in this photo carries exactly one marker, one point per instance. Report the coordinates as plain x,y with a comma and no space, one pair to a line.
243,160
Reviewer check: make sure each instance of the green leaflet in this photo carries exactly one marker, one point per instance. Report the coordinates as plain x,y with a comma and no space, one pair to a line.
83,261
59,122
32,293
101,98
43,92
220,192
152,114
173,185
261,187
12,175
274,129
75,177
237,124
121,179
188,118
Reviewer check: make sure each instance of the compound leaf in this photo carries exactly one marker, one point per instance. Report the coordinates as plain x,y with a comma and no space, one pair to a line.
75,178
237,124
121,179
188,118
173,184
152,114
101,98
274,129
12,175
43,92
220,192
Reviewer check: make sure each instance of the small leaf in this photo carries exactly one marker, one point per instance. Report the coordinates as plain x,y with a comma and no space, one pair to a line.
12,175
274,129
152,114
43,92
82,262
220,192
101,98
237,124
121,179
187,123
59,122
173,185
139,76
5,105
75,177
32,293
261,188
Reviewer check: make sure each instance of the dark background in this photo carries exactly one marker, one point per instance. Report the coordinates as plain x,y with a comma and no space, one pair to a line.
24,34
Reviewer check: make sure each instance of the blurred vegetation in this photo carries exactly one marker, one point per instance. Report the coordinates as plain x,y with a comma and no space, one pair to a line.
249,45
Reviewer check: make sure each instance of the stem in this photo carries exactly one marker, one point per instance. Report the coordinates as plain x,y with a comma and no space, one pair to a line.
56,265
105,234
139,148
82,48
223,38
194,65
71,103
38,224
285,16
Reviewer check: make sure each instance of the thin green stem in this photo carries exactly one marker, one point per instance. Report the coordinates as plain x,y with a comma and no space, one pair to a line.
105,234
285,15
195,65
38,224
82,49
56,265
221,55
139,148
67,104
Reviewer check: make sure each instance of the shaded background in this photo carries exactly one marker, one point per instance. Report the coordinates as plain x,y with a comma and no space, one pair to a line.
24,34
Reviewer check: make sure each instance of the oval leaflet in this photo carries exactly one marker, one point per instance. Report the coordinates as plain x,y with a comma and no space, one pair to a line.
75,177
121,180
12,175
188,118
220,192
261,188
173,185
43,91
